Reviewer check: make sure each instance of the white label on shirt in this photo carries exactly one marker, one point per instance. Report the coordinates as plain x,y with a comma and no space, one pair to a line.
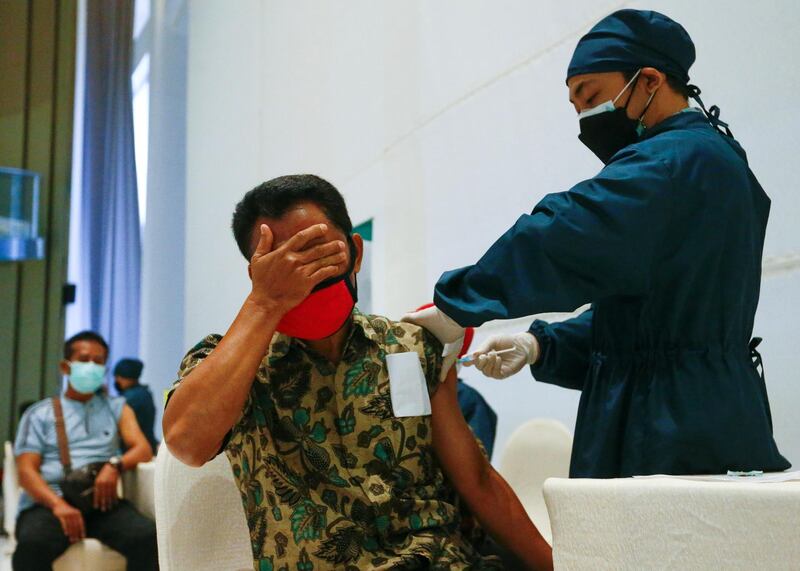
407,385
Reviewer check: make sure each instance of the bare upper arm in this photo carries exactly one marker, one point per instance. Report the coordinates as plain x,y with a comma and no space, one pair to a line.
29,461
219,448
455,444
129,429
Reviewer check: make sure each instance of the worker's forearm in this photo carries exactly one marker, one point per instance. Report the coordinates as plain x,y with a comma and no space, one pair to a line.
136,455
502,515
34,485
210,399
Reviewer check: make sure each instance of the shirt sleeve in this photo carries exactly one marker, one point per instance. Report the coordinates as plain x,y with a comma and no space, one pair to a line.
193,358
433,349
598,239
116,404
565,351
31,431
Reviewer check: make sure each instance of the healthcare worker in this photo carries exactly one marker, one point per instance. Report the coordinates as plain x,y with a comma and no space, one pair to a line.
665,242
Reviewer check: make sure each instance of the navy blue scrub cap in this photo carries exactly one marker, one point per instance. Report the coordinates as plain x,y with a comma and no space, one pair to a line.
631,39
129,368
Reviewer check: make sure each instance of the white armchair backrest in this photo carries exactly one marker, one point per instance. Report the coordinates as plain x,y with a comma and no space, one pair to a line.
629,524
199,516
537,450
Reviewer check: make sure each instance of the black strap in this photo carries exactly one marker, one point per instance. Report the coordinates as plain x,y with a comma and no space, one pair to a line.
756,356
758,362
712,114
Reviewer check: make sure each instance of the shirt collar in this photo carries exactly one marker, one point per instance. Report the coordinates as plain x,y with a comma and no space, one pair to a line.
364,323
66,401
680,120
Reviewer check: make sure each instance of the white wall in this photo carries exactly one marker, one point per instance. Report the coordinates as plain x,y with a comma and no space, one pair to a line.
164,270
444,121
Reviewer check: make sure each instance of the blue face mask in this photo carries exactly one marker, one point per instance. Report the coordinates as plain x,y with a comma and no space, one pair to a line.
86,378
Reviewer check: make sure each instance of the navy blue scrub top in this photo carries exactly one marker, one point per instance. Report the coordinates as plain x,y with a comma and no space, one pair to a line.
666,244
140,399
479,414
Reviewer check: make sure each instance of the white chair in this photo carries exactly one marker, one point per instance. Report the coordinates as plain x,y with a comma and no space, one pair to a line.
631,524
10,499
86,555
90,554
10,489
199,516
537,450
138,486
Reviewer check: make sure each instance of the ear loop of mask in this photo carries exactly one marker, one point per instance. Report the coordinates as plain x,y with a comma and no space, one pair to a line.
624,89
640,127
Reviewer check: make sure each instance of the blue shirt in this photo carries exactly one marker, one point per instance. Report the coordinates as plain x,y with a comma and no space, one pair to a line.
140,399
478,414
92,433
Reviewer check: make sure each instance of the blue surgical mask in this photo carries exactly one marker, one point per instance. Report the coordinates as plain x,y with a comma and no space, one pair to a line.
610,105
86,378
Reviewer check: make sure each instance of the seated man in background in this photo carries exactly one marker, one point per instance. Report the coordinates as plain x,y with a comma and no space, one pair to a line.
138,396
298,394
479,415
94,423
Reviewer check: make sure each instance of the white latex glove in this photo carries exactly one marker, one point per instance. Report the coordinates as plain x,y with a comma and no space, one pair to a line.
519,350
450,333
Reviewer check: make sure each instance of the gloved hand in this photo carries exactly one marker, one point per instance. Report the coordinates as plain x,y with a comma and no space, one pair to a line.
520,349
450,333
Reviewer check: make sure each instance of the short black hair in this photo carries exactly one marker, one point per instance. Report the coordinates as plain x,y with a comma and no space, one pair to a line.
83,336
677,85
272,199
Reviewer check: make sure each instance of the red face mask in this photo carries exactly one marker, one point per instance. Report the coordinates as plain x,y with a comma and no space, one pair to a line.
325,310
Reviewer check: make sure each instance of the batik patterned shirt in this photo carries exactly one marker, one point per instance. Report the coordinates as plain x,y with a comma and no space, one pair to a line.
329,477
